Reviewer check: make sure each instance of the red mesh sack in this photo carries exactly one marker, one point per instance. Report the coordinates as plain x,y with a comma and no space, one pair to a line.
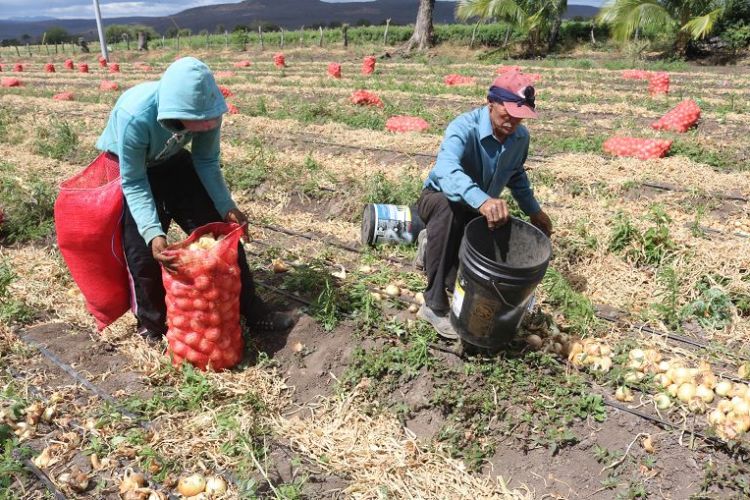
88,222
680,118
454,79
279,60
18,68
68,64
203,299
658,83
507,69
225,91
643,149
232,109
49,68
368,65
636,74
108,85
114,68
334,70
365,98
242,64
224,74
10,82
406,124
102,62
83,68
63,96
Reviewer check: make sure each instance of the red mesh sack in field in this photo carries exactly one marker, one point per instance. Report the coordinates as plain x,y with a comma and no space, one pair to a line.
506,69
680,118
636,74
279,60
643,149
224,74
406,124
63,96
83,68
334,70
108,85
242,64
88,222
454,79
368,65
102,62
232,109
49,68
114,68
658,83
18,68
10,82
365,98
203,299
68,64
225,91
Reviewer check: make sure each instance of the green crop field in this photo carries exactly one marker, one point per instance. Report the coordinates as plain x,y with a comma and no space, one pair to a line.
628,380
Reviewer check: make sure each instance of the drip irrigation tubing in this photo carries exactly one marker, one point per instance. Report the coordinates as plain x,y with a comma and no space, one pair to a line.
41,476
104,395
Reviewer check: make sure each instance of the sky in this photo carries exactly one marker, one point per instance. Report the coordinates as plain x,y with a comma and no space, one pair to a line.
118,8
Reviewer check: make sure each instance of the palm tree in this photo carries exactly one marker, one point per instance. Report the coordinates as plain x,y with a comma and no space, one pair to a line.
536,17
696,19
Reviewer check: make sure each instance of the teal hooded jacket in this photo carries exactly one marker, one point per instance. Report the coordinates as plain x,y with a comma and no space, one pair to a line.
143,130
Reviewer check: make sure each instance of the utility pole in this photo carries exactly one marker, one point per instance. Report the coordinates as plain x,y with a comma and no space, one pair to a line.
102,40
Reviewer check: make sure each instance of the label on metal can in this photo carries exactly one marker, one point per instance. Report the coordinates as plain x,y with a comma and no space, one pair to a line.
393,224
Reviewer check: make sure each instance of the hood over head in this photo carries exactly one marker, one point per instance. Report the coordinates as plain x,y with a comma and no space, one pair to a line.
188,91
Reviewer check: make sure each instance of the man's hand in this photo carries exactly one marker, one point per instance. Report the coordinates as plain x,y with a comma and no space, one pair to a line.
236,216
158,247
542,221
496,212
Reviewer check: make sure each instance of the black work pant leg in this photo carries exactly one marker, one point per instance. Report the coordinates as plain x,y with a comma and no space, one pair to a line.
445,221
179,195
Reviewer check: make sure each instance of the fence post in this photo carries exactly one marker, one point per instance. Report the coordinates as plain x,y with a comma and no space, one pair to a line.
320,42
385,34
55,47
260,33
302,36
163,39
18,52
345,33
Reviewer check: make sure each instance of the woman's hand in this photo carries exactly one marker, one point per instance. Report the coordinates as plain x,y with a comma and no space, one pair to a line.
236,216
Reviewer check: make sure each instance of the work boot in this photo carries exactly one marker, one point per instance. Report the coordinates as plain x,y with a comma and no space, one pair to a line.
271,321
441,322
150,336
421,249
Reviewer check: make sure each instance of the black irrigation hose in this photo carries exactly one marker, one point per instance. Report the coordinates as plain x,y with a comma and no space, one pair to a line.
41,476
664,424
103,394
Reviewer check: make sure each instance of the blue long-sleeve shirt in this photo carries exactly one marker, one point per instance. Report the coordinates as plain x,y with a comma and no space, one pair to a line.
141,132
473,166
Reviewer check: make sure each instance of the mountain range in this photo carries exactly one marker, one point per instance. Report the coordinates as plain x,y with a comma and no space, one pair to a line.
290,14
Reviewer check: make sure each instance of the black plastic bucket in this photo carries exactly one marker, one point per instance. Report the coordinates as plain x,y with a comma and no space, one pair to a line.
497,275
396,224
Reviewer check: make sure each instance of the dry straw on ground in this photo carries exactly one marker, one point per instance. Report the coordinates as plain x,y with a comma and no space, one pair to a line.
381,458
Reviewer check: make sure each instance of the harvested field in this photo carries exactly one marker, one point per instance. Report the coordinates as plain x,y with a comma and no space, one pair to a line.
359,399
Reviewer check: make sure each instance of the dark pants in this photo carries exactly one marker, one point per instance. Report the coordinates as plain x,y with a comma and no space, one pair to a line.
445,222
180,196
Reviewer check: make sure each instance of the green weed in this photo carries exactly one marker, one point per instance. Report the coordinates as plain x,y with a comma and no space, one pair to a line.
578,310
668,307
11,309
379,189
58,140
29,210
252,172
623,233
712,309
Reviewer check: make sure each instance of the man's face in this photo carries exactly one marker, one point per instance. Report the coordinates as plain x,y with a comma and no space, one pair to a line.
503,124
201,125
